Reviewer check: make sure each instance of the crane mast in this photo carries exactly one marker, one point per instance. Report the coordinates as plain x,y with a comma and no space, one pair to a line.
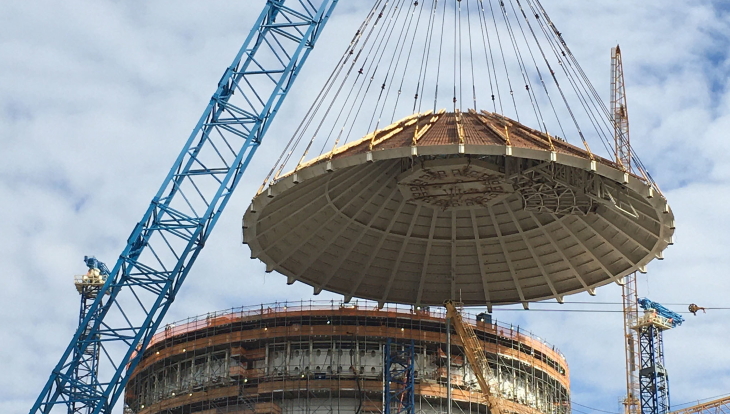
653,377
165,243
629,294
87,369
619,111
631,341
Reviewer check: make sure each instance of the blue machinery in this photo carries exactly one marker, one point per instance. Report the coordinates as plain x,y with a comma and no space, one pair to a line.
653,379
164,245
87,368
399,383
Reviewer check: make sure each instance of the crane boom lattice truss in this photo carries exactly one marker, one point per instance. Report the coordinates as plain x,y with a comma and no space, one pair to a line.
719,406
165,243
474,354
629,291
619,111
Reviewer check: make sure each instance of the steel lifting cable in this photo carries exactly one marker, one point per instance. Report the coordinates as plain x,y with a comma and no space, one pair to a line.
539,72
471,57
438,66
397,50
562,93
637,161
554,37
504,61
491,69
375,63
422,72
349,94
521,64
294,140
367,89
364,73
534,61
333,100
380,48
352,88
324,117
338,107
408,59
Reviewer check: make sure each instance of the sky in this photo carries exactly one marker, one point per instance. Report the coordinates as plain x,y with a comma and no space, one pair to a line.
96,99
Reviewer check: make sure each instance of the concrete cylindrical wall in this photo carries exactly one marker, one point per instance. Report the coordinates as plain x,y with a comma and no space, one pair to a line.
324,358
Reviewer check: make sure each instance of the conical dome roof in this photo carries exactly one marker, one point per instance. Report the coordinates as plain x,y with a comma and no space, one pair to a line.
468,206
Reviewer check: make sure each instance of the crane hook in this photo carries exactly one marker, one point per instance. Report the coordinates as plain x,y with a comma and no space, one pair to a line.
694,309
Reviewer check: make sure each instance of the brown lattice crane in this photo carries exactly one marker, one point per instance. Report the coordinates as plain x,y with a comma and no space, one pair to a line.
620,118
619,111
474,354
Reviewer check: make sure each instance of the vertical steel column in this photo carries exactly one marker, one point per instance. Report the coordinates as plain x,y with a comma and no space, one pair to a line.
399,383
87,370
88,367
448,366
653,379
631,342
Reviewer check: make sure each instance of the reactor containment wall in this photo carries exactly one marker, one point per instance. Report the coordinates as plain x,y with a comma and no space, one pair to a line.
314,357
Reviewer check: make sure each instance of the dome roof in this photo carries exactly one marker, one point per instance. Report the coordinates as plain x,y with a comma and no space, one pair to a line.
468,206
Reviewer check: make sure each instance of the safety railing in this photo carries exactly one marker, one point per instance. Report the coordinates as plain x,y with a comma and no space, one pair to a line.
282,309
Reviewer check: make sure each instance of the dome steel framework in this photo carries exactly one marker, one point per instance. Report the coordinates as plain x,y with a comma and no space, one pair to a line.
468,206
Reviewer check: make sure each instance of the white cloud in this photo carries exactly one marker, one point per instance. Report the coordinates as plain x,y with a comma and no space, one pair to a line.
96,98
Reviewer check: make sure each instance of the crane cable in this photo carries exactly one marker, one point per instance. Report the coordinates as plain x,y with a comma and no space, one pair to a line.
392,34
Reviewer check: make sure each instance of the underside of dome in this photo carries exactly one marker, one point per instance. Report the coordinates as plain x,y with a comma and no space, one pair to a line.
468,206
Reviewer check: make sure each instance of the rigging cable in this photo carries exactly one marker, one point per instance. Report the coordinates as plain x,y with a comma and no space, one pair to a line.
504,61
291,145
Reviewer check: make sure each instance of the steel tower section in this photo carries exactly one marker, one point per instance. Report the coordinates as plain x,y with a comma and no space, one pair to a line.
619,110
631,342
653,380
628,288
165,243
86,372
399,383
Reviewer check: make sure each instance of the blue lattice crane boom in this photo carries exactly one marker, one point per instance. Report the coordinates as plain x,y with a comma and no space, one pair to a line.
134,297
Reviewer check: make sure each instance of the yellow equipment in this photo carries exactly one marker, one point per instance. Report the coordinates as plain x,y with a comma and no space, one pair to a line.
719,406
474,354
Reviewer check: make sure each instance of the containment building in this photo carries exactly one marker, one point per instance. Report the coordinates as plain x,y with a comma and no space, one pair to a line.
329,357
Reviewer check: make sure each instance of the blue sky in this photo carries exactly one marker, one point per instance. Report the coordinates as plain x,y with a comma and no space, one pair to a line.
97,97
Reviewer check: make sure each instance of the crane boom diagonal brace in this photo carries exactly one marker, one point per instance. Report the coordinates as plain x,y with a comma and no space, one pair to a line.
165,244
474,353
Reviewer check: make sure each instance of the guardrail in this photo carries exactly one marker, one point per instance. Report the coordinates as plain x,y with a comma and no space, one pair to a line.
254,312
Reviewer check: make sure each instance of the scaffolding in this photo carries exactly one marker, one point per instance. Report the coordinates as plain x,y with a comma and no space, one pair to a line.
330,357
399,384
